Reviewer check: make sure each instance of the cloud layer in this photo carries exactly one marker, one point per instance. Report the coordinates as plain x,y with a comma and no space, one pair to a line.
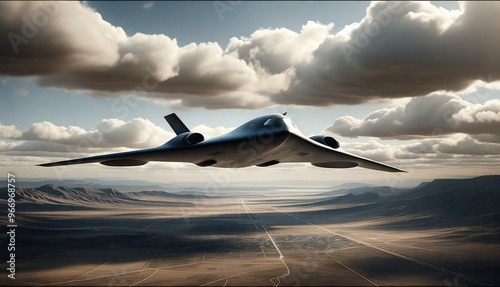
459,154
401,49
108,135
45,140
397,50
434,115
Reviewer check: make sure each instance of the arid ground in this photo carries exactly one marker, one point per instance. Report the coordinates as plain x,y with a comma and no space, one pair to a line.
251,237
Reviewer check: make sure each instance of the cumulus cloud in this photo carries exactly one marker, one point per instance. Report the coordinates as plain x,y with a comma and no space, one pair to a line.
108,135
9,132
397,50
277,50
487,138
74,48
52,149
462,146
461,151
373,150
437,114
209,132
401,49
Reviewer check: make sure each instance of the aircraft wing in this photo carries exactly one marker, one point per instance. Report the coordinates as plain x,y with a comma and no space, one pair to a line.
173,152
132,158
166,153
324,156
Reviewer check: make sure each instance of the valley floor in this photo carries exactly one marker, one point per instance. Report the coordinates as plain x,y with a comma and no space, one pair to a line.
242,240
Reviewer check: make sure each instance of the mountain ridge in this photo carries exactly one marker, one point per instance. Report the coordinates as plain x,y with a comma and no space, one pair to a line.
51,194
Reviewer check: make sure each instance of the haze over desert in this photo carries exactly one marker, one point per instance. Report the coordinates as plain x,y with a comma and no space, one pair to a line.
433,234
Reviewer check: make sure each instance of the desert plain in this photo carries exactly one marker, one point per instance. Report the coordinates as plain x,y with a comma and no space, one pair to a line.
283,237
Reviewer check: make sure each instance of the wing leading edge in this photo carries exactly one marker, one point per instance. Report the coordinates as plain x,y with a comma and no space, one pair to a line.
132,158
321,155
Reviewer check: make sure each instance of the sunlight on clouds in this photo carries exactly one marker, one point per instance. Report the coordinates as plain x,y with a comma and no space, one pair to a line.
434,115
9,132
108,133
398,50
210,132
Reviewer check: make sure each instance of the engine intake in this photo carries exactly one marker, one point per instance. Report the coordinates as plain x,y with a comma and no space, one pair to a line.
192,138
326,140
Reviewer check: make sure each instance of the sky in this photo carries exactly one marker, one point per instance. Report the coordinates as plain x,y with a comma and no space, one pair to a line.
411,84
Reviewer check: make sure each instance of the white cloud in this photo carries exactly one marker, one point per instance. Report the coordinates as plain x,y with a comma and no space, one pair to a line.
148,5
458,145
434,115
9,132
209,132
467,145
108,135
487,138
460,151
397,50
52,149
277,50
401,49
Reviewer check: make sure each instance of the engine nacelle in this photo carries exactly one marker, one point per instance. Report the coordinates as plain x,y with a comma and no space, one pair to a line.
326,140
187,138
192,138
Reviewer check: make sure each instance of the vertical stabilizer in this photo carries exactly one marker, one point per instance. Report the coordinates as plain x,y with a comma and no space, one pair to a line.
177,125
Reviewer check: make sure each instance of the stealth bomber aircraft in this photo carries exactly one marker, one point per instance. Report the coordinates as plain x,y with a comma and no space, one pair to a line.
264,141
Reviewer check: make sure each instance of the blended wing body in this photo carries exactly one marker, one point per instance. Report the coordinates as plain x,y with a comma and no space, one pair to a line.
264,141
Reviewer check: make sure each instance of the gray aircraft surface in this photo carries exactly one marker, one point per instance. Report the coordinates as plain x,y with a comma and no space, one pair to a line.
263,141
